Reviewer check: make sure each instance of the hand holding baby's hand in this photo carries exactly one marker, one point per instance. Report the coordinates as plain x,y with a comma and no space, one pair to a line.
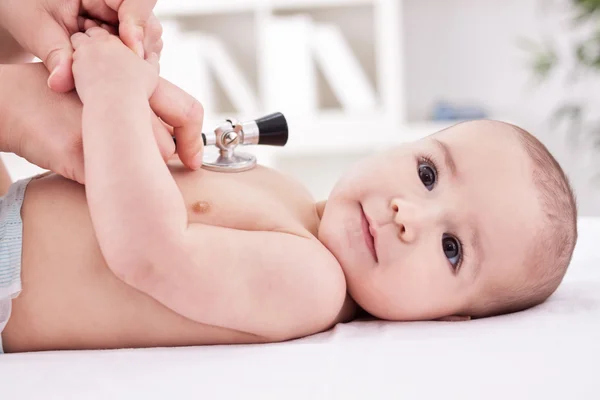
102,64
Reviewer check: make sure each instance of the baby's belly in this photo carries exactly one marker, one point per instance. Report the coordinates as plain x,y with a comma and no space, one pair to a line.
69,308
85,307
71,300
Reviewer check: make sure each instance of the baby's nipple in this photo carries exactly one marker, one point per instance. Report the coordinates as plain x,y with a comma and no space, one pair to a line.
200,207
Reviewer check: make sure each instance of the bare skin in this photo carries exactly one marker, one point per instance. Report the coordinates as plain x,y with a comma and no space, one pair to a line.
10,51
72,300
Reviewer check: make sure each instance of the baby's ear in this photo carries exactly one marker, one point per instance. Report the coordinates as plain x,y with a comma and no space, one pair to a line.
454,318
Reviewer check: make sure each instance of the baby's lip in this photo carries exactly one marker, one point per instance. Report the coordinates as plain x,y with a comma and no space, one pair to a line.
370,234
373,232
372,229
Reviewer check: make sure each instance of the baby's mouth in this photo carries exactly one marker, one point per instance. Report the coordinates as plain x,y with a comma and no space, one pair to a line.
368,233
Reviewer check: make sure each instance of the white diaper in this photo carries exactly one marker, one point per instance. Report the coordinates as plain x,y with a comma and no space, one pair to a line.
11,243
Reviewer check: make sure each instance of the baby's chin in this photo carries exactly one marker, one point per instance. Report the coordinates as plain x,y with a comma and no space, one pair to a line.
331,228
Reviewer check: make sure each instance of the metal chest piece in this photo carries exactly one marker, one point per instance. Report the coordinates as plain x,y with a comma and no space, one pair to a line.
271,130
228,136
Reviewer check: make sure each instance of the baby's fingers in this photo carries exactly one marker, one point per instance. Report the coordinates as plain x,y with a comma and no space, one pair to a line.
96,31
78,39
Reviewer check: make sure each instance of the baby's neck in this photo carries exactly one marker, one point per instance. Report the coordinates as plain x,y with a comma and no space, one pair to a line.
320,207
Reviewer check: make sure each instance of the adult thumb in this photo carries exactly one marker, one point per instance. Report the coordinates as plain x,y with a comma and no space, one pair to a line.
54,48
133,17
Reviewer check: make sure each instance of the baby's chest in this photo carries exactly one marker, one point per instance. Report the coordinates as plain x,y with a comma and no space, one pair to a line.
247,202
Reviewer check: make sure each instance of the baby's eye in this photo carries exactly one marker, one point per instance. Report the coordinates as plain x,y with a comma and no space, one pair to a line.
452,250
427,174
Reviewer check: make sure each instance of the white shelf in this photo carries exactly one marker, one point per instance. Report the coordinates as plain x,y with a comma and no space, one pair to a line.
364,33
327,137
171,8
177,8
301,4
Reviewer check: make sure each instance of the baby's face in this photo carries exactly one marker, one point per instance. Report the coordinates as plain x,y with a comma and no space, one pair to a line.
434,228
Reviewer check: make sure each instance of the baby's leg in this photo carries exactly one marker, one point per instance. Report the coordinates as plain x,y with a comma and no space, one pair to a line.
5,180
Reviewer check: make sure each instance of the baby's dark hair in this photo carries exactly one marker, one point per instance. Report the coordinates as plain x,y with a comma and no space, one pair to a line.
552,249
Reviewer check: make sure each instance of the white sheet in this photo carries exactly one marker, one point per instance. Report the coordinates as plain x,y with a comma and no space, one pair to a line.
552,351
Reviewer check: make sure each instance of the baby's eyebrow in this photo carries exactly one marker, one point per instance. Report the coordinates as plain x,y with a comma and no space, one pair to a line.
448,157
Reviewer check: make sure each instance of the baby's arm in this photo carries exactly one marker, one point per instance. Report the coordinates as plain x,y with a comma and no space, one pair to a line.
274,285
133,200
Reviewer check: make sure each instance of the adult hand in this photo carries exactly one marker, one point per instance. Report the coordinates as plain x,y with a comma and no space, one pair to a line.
44,28
44,127
11,52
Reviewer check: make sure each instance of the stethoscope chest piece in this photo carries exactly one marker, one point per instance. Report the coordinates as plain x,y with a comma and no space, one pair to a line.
237,162
271,130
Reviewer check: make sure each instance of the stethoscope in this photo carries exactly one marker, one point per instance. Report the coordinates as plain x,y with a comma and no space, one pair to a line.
271,130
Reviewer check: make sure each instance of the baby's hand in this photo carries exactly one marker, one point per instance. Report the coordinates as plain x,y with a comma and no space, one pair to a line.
103,65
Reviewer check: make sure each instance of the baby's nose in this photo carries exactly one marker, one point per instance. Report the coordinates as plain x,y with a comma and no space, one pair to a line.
411,218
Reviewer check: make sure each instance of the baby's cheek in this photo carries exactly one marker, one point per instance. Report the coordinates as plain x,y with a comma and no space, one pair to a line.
418,277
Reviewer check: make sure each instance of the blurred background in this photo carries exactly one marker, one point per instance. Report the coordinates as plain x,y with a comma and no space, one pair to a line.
355,76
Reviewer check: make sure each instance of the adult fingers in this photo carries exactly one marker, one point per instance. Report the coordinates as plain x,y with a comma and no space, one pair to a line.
102,10
134,15
53,47
152,36
152,59
164,138
185,114
85,23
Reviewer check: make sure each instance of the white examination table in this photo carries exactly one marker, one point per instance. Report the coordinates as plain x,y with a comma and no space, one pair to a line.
550,352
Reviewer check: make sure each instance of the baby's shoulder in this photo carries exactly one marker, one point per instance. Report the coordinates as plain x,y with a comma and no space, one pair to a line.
289,193
285,184
325,299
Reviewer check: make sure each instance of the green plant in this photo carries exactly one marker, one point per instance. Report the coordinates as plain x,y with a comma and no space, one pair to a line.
545,60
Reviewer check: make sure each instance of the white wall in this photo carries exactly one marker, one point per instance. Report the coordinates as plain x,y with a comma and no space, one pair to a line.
464,50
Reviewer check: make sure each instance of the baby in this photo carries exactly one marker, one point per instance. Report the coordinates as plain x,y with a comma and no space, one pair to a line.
474,221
